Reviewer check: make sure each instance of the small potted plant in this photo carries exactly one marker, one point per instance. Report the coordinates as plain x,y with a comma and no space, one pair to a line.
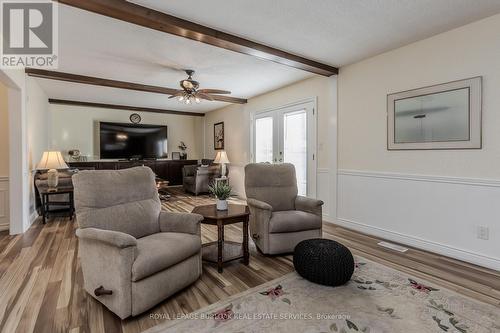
222,191
182,146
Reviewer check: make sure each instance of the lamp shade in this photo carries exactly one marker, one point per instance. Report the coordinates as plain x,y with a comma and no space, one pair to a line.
52,160
221,158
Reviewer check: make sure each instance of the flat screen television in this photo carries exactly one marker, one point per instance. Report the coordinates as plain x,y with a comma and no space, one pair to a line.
132,141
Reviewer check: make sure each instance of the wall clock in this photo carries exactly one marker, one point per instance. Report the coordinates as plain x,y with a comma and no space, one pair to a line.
135,118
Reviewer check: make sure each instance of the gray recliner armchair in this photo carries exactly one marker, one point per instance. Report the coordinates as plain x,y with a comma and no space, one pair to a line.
133,255
195,179
279,218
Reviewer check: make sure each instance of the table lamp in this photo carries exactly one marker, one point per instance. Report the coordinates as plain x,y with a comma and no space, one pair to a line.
52,161
221,158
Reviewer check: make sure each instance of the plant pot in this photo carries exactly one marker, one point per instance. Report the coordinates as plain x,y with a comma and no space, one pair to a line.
221,204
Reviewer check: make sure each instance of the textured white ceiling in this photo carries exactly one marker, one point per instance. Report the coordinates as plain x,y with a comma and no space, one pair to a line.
95,45
336,32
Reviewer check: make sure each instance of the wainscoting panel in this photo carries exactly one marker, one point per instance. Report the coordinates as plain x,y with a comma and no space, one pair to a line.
439,214
4,203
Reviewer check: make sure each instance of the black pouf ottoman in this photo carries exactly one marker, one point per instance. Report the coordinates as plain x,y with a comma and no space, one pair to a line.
323,261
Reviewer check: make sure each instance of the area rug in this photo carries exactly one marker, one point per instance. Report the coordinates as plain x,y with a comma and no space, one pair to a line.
377,299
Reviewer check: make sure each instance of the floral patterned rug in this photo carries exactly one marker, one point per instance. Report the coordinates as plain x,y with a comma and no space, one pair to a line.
377,299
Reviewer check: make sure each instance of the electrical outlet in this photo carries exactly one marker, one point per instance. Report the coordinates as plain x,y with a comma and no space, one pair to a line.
483,232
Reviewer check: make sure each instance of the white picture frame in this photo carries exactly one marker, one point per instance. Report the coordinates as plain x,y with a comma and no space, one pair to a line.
466,106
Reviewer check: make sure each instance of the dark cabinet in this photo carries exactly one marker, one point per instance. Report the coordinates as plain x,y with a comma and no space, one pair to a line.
132,164
175,172
170,170
107,166
161,170
84,165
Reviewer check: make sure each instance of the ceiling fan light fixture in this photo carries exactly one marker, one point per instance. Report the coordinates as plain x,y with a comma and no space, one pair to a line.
187,84
190,94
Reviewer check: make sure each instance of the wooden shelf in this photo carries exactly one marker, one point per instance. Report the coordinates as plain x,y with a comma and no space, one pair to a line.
231,251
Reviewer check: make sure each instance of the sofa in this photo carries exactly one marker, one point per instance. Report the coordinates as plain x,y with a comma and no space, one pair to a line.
133,254
279,218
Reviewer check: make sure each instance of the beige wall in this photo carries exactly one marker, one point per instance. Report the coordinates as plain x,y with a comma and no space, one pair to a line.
472,50
4,132
430,199
236,120
72,127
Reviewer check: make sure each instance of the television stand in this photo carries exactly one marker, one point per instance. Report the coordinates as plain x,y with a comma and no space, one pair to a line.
169,170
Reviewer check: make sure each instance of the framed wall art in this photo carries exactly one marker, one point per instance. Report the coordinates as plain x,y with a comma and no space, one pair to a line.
443,116
219,136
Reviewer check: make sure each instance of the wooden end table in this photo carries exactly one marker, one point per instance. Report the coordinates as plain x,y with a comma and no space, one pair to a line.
46,192
222,251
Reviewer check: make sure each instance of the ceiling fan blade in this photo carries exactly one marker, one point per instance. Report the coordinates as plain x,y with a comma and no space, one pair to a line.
213,91
177,94
204,96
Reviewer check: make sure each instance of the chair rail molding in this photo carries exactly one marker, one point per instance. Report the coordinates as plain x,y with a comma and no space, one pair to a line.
435,213
4,203
419,177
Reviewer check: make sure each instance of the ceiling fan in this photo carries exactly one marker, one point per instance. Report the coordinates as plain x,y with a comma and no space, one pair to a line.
190,91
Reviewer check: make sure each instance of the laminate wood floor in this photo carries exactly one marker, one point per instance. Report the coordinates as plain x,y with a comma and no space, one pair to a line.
41,282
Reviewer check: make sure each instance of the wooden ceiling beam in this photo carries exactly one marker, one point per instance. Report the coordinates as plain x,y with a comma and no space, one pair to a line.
153,19
124,107
96,81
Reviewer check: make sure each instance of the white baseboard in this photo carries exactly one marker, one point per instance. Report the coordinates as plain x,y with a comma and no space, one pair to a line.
422,244
4,203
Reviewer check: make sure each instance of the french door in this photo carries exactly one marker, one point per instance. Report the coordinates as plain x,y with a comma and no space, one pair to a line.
288,135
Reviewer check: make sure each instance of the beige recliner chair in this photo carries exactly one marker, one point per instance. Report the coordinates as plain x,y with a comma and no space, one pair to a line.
196,179
279,218
133,255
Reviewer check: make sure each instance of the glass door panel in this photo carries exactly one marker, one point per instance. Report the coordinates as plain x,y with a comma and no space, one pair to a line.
295,145
288,135
264,139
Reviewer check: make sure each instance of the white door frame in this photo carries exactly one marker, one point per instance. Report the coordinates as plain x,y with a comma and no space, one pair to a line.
312,126
19,176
